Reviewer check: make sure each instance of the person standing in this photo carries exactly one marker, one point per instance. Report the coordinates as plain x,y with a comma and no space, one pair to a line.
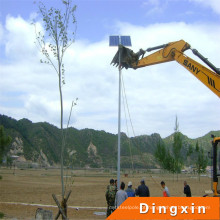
166,192
110,197
116,182
187,189
130,192
121,195
142,190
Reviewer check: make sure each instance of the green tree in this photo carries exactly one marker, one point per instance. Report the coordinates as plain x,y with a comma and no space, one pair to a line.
4,142
189,153
161,154
197,147
190,150
171,161
58,36
201,161
177,146
164,157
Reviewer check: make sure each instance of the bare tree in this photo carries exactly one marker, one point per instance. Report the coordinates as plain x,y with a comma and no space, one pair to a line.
59,33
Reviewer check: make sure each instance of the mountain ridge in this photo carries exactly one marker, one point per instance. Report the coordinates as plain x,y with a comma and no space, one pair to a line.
41,143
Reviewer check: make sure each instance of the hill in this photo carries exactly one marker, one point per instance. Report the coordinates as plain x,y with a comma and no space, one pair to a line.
204,141
40,143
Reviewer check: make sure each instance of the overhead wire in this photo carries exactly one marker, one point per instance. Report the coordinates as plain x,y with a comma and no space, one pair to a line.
125,100
140,153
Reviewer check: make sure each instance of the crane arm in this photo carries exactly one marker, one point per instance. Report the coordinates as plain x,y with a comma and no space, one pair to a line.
165,54
170,52
205,75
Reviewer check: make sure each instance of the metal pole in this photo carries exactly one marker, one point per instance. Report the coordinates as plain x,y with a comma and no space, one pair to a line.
119,41
119,119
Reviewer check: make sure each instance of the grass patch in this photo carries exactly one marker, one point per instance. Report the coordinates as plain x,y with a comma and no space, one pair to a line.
2,215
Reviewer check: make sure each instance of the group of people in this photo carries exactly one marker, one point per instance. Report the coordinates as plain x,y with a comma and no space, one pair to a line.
115,197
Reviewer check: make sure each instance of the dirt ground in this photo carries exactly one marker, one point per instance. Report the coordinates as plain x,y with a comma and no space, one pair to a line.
26,190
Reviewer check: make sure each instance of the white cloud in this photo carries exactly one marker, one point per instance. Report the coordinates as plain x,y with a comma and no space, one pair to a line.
214,4
1,33
20,38
154,6
156,94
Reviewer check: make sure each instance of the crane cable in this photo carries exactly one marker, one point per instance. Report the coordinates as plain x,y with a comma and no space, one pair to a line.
125,101
125,98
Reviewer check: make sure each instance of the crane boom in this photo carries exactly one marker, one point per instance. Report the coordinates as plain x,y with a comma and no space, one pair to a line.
170,52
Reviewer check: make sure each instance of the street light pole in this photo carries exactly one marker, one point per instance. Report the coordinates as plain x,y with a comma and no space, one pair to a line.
119,122
119,41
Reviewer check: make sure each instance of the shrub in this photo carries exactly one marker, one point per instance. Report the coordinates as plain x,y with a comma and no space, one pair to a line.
2,215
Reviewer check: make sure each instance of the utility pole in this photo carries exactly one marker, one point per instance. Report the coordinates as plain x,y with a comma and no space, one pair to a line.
119,41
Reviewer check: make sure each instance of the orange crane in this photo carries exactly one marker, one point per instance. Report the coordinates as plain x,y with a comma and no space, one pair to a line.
170,52
175,51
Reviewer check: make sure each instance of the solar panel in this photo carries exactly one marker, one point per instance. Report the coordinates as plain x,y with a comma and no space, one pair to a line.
126,40
116,40
113,40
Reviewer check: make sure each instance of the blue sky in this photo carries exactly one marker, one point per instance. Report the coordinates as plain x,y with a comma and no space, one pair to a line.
97,18
155,94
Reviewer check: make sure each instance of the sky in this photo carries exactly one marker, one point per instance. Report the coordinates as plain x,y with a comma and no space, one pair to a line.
156,94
